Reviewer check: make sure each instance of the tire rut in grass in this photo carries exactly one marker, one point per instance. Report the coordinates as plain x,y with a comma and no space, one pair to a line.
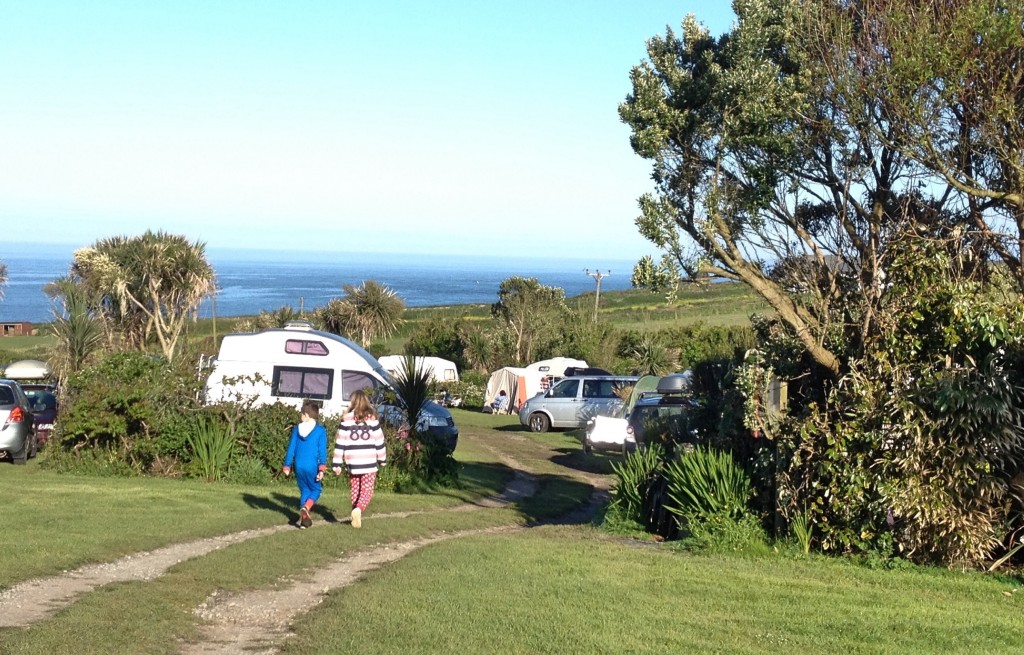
258,621
34,600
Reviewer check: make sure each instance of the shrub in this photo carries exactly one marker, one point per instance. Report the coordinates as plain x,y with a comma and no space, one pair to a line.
634,476
262,432
129,408
249,470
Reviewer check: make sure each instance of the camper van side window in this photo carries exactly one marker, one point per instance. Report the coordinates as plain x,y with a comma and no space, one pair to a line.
299,382
353,381
303,347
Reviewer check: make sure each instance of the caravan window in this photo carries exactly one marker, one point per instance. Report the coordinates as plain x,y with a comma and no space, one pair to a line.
300,382
303,347
354,380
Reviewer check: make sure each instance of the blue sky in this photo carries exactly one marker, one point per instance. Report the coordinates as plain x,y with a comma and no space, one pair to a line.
408,127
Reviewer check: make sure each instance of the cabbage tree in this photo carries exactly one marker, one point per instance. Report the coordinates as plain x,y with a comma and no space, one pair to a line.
150,286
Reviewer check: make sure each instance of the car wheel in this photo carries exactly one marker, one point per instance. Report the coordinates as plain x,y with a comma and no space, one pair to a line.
540,422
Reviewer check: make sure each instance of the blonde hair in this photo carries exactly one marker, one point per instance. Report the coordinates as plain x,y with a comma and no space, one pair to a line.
360,406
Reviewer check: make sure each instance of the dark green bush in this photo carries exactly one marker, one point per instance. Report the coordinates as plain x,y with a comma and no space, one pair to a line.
131,406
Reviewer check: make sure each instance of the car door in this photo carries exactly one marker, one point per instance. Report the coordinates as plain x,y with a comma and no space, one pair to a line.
563,403
598,399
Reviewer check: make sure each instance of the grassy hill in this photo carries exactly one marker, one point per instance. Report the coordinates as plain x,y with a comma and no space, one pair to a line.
724,304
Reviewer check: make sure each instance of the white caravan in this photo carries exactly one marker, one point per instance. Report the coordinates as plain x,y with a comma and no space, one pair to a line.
441,370
289,365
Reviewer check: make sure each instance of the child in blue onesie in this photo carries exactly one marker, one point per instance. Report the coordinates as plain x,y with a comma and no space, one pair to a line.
307,450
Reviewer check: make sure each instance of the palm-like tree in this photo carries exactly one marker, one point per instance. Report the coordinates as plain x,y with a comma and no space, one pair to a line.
367,312
150,285
3,279
650,357
477,349
78,329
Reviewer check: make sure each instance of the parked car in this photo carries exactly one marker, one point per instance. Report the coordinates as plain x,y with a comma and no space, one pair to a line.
662,417
433,419
36,380
17,434
573,401
44,409
660,414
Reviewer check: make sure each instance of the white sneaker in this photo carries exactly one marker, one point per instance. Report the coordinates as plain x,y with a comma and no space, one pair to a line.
357,517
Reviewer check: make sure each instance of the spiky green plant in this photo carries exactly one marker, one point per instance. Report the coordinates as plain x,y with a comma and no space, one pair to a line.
800,527
633,481
705,483
211,447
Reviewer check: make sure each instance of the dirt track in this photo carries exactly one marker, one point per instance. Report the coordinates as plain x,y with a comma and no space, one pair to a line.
256,621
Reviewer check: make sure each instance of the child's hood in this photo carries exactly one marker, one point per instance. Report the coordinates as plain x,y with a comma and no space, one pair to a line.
306,427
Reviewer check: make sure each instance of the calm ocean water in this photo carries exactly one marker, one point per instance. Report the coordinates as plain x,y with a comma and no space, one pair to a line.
250,281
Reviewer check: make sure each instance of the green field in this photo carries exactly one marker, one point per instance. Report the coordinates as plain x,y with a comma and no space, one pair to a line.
542,588
725,304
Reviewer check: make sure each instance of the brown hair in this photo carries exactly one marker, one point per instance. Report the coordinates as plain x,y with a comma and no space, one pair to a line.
360,406
311,409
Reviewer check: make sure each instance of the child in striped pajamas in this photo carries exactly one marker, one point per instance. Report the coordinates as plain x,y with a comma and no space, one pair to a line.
359,446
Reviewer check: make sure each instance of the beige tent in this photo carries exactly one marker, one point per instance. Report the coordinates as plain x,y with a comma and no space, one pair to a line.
520,384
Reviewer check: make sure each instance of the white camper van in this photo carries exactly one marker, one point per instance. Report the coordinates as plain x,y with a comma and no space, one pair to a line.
293,363
289,365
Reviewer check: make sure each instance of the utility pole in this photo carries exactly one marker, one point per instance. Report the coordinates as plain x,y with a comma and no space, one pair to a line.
598,276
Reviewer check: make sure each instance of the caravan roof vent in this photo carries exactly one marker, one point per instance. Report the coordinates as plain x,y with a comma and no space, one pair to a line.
677,383
298,325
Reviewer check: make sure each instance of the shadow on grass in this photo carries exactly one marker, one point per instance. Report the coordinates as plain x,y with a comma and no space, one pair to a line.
599,462
517,427
285,505
559,500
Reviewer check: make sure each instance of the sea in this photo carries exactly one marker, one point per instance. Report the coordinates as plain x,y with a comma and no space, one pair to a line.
249,281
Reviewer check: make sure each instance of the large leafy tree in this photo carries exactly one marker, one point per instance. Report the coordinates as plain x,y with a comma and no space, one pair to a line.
366,312
150,285
949,77
800,155
759,160
530,312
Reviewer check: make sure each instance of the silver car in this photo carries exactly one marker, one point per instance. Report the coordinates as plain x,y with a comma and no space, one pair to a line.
17,436
572,401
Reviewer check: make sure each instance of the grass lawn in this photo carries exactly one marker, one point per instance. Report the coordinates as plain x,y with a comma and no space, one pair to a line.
574,590
548,589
